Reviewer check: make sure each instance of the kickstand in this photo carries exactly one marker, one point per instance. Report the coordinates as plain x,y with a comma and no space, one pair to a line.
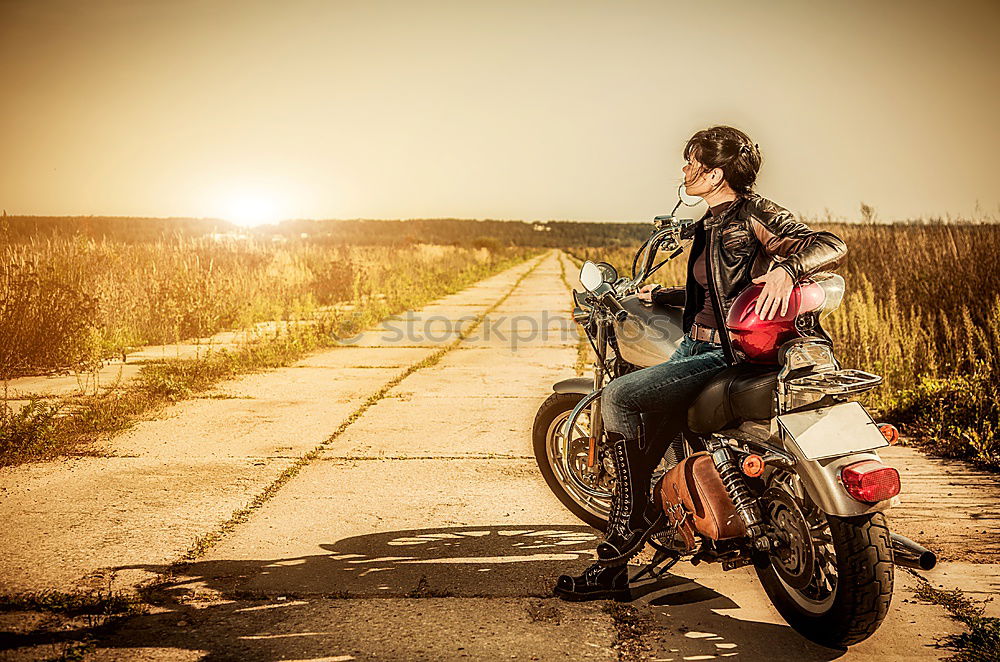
663,560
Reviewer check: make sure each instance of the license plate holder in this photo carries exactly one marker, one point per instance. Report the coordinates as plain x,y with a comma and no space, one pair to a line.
834,431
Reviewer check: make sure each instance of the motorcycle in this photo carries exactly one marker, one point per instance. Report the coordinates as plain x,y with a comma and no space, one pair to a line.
794,460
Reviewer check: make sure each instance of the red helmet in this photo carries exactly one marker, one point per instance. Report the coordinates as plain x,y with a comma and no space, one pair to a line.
758,339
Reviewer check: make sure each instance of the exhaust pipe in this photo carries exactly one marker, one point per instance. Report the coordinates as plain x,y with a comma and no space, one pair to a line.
909,554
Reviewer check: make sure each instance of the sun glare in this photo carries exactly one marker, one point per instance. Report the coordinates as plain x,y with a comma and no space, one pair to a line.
249,209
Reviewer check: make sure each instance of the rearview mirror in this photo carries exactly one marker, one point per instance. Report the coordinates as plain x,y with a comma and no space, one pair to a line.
591,276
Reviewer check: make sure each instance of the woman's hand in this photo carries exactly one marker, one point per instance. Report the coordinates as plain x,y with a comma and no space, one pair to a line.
776,293
646,293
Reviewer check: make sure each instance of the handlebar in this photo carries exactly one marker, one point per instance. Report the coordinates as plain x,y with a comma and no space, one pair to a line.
619,313
668,231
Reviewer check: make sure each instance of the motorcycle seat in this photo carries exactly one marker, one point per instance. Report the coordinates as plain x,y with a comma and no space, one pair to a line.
737,393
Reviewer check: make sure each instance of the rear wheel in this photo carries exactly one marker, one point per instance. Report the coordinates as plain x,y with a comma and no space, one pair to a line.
831,577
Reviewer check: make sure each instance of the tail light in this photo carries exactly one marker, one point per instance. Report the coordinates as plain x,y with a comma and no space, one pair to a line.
870,481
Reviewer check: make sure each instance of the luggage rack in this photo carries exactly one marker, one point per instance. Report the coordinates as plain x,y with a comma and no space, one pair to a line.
835,381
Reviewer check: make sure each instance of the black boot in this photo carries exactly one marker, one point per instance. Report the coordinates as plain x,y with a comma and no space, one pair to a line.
596,583
633,518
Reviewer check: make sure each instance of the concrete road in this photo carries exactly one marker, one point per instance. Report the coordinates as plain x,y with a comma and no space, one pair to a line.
417,527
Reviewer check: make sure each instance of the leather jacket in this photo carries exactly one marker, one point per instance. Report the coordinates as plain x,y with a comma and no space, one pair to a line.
743,242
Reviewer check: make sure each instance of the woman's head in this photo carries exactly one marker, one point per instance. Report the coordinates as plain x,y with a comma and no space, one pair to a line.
718,157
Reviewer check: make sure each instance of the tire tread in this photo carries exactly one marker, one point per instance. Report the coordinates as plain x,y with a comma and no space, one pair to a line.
863,548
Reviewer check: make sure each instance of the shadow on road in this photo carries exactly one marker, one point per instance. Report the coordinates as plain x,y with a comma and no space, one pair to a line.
364,595
489,561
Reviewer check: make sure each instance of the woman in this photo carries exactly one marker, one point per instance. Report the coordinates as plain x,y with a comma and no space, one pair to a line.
743,239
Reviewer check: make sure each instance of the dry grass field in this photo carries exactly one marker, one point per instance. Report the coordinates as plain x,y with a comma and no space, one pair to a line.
69,302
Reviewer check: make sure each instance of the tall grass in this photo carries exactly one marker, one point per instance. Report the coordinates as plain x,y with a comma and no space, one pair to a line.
922,309
67,302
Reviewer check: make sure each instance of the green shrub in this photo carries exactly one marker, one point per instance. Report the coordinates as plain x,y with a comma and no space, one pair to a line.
959,414
28,429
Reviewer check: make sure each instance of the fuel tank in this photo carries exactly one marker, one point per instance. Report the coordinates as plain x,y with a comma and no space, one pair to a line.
650,334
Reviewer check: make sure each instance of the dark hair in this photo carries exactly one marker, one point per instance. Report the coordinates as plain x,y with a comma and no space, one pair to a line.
729,149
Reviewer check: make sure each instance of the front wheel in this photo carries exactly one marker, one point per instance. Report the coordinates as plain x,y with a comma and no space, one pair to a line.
831,578
586,495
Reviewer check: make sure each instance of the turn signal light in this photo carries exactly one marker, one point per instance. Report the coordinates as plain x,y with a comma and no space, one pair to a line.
870,481
890,433
753,465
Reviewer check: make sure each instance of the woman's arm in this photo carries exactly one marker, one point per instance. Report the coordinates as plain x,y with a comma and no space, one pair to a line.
781,234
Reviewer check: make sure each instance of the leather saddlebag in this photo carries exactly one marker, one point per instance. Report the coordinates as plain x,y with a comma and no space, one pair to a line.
694,498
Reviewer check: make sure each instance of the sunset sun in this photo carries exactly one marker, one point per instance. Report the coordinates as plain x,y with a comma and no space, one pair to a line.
251,208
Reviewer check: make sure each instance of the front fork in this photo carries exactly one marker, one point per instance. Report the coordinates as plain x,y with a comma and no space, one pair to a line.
596,419
591,401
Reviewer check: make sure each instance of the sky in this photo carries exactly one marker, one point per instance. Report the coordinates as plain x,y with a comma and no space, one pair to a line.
534,110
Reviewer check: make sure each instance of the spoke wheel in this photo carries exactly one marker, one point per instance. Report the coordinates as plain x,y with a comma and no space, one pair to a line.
805,560
586,493
816,557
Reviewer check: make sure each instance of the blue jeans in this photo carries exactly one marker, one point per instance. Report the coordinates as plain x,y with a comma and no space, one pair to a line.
663,391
